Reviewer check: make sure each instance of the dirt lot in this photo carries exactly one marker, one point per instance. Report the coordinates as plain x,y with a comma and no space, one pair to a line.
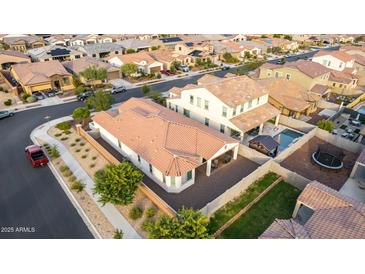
301,163
5,96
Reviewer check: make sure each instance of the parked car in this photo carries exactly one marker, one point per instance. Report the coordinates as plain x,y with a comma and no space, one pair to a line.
116,90
225,68
83,96
167,72
345,134
184,68
36,155
334,132
349,130
39,95
6,113
50,93
356,123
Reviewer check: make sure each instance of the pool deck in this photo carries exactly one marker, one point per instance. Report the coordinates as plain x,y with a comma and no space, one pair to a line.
301,162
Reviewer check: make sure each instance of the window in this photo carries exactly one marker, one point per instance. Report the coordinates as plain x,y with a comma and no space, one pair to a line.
288,76
276,74
198,101
46,59
139,158
116,52
334,84
340,85
186,113
94,55
340,66
206,104
189,175
258,100
269,73
250,104
151,171
222,128
224,111
170,107
172,181
329,63
242,107
206,121
119,144
66,80
191,99
164,178
176,108
234,112
77,56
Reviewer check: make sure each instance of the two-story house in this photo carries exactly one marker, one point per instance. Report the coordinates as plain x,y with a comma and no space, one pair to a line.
233,105
336,60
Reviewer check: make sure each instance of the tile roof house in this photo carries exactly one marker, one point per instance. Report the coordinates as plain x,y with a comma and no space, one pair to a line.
143,59
164,144
100,50
24,42
41,76
289,97
232,105
326,214
11,57
336,60
79,65
134,44
54,52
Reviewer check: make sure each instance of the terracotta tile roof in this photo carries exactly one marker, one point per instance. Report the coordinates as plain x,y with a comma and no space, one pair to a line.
341,77
78,65
177,91
336,53
320,89
171,142
285,229
137,57
335,216
27,38
361,158
208,78
34,73
312,69
14,53
291,95
166,55
255,117
359,59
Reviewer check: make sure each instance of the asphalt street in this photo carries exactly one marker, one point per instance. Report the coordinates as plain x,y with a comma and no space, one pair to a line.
32,203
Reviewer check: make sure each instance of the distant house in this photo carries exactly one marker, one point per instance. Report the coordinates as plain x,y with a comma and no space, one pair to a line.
134,44
165,145
60,40
233,105
167,42
41,76
236,37
142,59
89,39
23,43
290,98
54,52
196,50
11,57
321,213
79,65
222,47
336,60
168,56
101,50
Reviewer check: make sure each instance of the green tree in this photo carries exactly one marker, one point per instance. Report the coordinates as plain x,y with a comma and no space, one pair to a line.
130,51
145,89
277,35
228,57
175,65
248,55
100,101
117,184
94,73
359,39
288,37
81,114
188,224
264,36
76,81
128,69
325,125
118,234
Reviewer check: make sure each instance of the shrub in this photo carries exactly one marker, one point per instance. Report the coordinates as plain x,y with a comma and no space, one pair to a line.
343,126
58,134
87,149
72,178
78,150
92,166
82,144
31,99
78,186
147,225
94,157
118,234
64,126
325,125
73,144
67,173
67,132
64,138
151,212
80,89
77,140
84,156
25,97
53,152
64,168
135,213
8,102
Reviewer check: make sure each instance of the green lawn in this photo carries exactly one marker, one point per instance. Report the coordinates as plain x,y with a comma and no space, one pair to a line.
343,126
224,214
278,203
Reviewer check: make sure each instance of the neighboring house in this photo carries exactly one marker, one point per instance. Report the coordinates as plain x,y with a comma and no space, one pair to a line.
142,59
101,50
353,50
301,37
54,52
340,81
23,43
305,73
165,145
134,44
222,47
87,39
321,213
167,42
11,57
41,76
60,40
79,65
168,56
290,98
237,37
233,105
282,43
196,50
253,47
336,60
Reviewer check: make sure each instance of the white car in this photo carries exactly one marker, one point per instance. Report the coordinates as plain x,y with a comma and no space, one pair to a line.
345,134
356,123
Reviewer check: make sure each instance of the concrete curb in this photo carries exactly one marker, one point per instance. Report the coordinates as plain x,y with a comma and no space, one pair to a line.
69,194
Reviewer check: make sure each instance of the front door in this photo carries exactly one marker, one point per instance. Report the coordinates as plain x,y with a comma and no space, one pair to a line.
57,84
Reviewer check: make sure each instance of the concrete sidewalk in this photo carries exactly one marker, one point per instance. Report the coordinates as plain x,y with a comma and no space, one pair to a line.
110,212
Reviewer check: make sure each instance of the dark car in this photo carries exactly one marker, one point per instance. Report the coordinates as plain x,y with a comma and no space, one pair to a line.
39,96
225,68
116,90
50,93
83,96
36,155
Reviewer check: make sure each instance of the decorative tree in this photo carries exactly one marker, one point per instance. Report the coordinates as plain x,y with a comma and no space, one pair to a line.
100,101
145,89
128,69
81,114
117,184
325,125
93,74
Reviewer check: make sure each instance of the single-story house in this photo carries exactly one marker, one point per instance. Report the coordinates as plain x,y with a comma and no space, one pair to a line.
11,57
100,50
54,52
134,44
41,76
165,145
22,43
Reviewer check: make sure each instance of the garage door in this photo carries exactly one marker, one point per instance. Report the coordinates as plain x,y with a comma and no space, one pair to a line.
155,69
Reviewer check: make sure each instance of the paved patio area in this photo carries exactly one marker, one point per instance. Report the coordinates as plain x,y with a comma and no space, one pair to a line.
301,163
205,188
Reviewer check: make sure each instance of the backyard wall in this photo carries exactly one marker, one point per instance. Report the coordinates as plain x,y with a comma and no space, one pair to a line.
253,155
328,105
289,176
295,124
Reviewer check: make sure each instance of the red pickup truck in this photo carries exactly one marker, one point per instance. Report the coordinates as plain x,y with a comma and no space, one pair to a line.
36,155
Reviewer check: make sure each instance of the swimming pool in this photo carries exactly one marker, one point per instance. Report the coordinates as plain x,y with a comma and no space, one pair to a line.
286,137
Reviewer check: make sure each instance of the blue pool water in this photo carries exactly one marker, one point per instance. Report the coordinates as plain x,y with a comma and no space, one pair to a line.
361,110
286,137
